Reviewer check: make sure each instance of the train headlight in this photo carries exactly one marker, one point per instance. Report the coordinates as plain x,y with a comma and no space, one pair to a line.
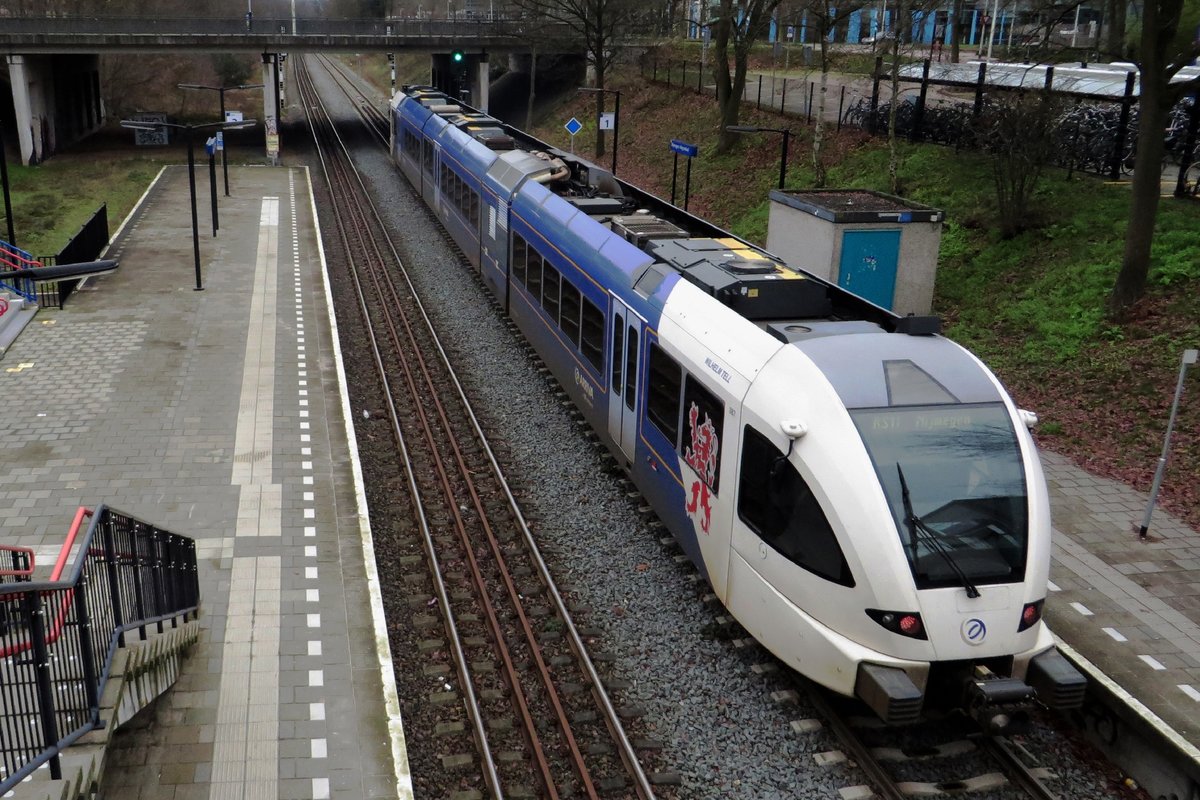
905,623
1031,614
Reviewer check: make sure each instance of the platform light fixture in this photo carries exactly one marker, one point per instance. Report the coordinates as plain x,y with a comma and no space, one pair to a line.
143,125
222,90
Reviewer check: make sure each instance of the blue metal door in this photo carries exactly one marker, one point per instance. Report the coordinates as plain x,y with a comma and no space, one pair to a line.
868,264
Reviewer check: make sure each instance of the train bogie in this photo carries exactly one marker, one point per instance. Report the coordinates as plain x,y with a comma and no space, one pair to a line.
860,492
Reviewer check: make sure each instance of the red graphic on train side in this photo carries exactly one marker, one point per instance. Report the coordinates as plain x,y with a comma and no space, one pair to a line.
701,456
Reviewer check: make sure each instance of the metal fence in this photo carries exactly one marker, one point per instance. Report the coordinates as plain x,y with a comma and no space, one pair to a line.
58,637
85,245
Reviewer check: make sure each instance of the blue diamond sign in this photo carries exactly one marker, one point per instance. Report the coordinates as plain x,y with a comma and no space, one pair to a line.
573,126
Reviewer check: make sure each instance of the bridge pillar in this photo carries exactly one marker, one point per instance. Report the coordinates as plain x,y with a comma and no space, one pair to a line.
56,100
32,90
270,81
479,86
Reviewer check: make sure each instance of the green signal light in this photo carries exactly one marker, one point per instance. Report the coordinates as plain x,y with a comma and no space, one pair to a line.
457,56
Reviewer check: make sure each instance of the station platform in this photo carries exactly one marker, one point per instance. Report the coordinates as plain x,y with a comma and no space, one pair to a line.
219,415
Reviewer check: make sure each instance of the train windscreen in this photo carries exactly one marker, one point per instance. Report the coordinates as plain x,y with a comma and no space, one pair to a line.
954,479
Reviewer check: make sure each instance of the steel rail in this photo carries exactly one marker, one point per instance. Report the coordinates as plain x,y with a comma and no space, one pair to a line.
857,750
490,773
612,720
1015,769
392,310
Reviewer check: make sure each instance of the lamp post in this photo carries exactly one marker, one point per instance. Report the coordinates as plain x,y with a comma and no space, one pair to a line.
222,90
139,125
616,118
1189,358
12,236
783,154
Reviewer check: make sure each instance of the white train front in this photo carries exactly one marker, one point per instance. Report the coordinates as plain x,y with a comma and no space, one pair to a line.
860,492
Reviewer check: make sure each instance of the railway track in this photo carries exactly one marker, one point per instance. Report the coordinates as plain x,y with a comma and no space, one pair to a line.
950,756
524,711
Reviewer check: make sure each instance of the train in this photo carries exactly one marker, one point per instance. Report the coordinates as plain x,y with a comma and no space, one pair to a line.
859,491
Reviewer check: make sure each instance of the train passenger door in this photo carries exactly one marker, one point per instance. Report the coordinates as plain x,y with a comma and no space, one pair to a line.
623,377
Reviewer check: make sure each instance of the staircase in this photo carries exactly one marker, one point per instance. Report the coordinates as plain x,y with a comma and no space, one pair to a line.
18,297
15,313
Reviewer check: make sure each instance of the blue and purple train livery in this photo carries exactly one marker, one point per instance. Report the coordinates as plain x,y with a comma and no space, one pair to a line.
859,491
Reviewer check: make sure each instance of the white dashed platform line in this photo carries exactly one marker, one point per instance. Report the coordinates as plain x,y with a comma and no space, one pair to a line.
1082,609
1153,662
1190,692
1052,586
1116,634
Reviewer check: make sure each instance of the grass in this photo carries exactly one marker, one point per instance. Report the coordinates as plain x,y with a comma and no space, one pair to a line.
53,200
1032,307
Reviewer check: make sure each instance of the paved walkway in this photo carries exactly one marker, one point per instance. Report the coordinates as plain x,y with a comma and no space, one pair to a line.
1132,607
218,414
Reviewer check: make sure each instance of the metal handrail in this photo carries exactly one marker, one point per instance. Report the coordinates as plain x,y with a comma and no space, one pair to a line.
23,561
13,258
127,575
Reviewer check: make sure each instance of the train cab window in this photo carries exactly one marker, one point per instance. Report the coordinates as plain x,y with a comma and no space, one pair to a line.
703,415
534,275
550,281
569,314
777,504
662,393
591,334
520,249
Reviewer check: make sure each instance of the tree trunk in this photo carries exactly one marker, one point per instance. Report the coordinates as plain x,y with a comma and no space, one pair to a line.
532,89
1114,21
893,156
728,103
819,176
955,33
1152,107
599,110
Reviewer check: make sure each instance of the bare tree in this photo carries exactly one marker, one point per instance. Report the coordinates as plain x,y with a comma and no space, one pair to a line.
597,26
825,18
1167,45
738,25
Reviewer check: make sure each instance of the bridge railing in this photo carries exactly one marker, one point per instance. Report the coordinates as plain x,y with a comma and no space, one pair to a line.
401,28
58,637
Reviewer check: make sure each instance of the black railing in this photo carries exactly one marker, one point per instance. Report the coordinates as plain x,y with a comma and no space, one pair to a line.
463,25
59,636
84,246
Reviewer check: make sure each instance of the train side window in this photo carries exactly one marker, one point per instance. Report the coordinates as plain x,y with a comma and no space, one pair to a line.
473,208
662,393
591,334
618,346
777,504
704,416
550,281
535,275
631,358
520,249
569,314
427,156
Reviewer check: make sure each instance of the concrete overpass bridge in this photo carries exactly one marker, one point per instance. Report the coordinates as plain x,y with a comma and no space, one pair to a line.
53,62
